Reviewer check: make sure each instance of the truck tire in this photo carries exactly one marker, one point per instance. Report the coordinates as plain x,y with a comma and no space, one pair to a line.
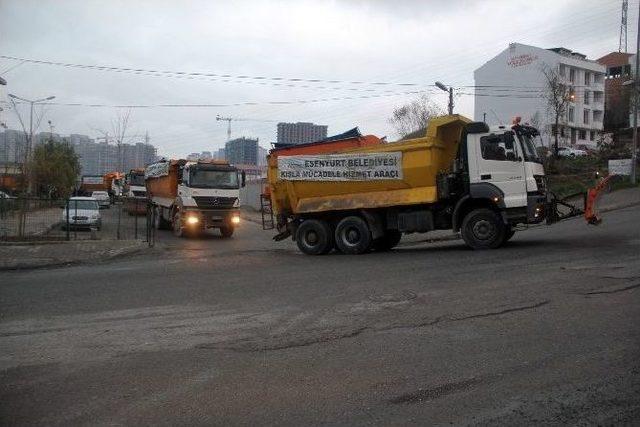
387,242
483,229
314,237
353,236
227,231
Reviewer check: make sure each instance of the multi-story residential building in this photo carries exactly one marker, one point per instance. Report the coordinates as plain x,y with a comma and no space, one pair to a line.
617,101
300,133
13,146
242,151
513,84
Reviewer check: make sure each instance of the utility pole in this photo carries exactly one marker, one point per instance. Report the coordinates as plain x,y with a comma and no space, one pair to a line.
634,149
623,27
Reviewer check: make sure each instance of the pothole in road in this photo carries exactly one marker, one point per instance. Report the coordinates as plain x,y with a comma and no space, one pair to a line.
394,297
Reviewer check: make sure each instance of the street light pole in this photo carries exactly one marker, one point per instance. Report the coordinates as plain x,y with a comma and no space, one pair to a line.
449,89
30,134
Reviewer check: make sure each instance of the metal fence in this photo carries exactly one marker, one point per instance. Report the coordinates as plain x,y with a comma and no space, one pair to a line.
29,218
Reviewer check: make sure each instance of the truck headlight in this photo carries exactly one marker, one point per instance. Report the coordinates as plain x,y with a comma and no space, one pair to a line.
235,219
192,220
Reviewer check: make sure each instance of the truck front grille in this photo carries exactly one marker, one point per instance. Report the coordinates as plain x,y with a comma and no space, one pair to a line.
215,202
140,193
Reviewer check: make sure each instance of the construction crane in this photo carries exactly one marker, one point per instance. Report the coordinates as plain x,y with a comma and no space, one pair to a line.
235,119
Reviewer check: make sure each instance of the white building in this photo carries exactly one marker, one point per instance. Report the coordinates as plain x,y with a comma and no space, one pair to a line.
513,84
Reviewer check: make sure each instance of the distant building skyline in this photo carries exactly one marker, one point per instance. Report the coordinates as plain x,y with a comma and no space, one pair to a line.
95,157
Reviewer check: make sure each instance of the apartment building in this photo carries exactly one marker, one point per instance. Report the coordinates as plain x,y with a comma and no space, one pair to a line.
513,84
300,133
242,151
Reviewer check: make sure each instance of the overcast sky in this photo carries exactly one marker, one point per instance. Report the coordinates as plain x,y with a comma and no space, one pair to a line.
394,42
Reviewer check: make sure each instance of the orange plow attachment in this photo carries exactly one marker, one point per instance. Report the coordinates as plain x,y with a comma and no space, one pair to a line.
593,196
560,209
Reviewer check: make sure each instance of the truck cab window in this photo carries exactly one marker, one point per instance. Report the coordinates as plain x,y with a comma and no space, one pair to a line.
498,147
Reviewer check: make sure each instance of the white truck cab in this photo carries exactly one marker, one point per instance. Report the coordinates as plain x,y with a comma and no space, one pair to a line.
193,196
500,164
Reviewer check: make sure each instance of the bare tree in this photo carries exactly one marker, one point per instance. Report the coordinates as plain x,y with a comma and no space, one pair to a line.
119,127
414,116
558,96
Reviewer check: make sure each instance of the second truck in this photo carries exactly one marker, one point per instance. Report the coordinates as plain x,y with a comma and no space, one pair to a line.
190,197
456,175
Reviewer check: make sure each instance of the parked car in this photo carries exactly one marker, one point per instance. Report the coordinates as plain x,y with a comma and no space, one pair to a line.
7,202
571,152
84,212
104,201
591,151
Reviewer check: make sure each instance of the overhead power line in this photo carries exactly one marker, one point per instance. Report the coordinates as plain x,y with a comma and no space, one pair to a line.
207,74
235,104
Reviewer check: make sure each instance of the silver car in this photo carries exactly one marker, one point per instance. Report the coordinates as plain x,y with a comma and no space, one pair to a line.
82,212
104,201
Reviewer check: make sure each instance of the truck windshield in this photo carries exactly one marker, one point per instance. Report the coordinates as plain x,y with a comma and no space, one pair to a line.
137,179
206,178
529,148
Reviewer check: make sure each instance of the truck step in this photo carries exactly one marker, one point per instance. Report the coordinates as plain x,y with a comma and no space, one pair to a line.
267,212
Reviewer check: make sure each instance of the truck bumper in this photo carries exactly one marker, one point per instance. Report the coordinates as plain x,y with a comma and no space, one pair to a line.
536,208
214,218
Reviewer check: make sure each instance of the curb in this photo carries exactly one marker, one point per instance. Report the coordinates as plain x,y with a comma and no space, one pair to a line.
53,263
620,206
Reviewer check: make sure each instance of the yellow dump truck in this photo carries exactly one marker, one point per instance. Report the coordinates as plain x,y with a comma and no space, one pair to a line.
457,174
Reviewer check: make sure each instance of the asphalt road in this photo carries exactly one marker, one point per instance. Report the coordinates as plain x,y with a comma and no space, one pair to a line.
249,332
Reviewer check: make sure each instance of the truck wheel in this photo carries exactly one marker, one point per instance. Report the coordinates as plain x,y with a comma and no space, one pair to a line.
178,231
483,229
226,231
314,237
389,241
353,235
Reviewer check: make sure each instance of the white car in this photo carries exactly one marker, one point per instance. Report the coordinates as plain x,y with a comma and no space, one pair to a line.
81,212
103,198
571,152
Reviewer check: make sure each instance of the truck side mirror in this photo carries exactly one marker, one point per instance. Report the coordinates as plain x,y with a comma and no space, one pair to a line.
244,178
